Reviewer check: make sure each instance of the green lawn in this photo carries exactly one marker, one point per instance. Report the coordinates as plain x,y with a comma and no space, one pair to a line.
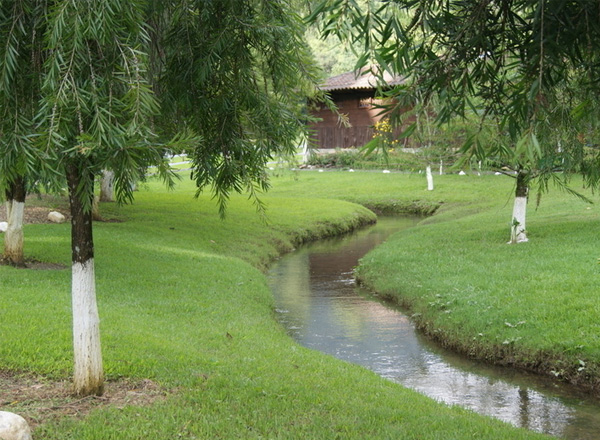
183,302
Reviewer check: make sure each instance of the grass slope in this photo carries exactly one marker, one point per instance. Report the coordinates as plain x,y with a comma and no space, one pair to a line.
533,305
183,302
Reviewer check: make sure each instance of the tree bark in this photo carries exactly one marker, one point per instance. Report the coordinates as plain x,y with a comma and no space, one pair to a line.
517,230
15,210
106,186
88,374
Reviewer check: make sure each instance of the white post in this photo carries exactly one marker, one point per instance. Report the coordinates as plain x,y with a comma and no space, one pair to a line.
305,152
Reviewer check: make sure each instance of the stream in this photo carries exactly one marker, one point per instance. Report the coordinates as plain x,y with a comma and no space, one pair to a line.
319,303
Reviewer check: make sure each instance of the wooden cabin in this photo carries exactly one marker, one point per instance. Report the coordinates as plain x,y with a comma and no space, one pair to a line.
355,96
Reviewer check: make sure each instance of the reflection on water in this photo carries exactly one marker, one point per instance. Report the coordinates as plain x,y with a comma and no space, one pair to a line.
322,308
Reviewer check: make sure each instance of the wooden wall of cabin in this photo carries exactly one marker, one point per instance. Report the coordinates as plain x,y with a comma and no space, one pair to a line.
358,107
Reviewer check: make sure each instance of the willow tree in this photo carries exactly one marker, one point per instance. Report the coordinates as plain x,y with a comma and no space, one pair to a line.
21,58
238,73
527,68
233,72
96,105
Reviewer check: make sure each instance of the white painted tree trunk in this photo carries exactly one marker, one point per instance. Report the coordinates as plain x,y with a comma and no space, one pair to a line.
429,178
86,330
305,152
106,186
518,232
13,238
441,167
96,209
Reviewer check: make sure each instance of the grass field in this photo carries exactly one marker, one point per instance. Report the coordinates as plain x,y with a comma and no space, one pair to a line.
184,303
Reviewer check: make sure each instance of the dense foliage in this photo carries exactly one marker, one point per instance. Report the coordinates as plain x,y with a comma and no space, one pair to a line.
237,73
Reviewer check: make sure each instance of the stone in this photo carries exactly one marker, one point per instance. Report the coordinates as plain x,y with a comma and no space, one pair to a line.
56,217
3,226
13,427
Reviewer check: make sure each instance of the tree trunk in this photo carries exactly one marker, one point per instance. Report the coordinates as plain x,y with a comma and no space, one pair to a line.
15,210
96,210
106,186
88,375
517,231
429,178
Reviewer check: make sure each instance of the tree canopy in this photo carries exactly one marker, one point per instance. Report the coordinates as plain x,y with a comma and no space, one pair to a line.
526,69
236,73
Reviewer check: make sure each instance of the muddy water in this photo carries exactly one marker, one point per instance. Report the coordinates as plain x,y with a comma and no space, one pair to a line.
320,305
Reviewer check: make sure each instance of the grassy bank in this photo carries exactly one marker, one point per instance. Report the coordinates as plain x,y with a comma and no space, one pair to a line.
533,305
183,303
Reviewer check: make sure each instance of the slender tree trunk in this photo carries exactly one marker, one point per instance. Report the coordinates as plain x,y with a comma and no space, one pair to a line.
106,187
15,210
518,230
88,375
429,178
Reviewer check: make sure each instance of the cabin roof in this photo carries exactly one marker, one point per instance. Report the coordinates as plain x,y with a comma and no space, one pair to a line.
363,80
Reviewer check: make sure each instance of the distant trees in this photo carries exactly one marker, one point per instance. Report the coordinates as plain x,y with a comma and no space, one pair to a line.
527,71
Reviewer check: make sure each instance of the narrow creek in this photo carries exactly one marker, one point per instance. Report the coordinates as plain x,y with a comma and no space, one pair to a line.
322,308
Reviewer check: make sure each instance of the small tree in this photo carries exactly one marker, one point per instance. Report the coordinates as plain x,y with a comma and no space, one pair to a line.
21,55
236,72
97,105
106,186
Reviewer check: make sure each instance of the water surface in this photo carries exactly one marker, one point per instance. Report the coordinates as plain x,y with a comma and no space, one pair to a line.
320,305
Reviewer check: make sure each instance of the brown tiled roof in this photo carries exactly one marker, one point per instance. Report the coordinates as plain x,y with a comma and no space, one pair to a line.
355,81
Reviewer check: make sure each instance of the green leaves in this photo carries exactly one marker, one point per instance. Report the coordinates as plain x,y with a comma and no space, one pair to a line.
20,72
237,73
85,79
97,103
